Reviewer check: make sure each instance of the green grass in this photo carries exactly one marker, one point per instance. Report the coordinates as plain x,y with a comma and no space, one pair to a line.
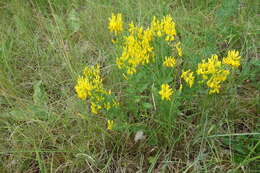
44,127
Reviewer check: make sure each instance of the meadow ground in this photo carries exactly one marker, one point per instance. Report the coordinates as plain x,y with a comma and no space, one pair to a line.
44,127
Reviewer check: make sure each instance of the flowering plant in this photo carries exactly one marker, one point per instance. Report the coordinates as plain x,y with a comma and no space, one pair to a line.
150,63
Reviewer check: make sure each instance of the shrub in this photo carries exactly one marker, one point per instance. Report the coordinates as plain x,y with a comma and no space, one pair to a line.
156,83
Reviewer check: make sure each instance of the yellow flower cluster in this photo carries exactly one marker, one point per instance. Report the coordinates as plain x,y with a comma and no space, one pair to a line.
213,72
179,49
165,27
214,83
137,49
90,81
137,45
110,124
115,24
188,77
169,61
232,59
165,92
90,86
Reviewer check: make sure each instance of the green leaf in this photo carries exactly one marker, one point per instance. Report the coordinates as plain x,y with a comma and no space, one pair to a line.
31,112
73,21
152,160
39,96
147,105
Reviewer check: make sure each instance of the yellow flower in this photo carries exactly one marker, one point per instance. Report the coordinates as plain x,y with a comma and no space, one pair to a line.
179,49
214,83
169,28
188,77
83,88
180,88
233,59
164,27
131,70
110,124
115,23
137,49
169,61
213,72
90,86
209,67
165,92
95,108
157,27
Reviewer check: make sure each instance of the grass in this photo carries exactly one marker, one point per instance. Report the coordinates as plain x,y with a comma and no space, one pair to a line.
44,127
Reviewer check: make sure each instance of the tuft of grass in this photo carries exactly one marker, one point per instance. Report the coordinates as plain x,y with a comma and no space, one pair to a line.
44,128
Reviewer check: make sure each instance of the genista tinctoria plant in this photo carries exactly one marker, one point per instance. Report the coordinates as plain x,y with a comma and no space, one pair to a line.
149,61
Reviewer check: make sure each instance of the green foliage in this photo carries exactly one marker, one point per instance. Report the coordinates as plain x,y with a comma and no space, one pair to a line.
245,150
35,111
39,96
